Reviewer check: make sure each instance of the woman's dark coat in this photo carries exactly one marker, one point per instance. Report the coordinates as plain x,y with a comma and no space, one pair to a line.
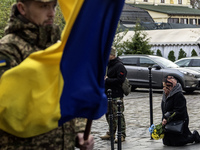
176,102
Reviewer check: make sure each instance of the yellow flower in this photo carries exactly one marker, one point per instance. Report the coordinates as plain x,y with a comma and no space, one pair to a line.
161,136
158,132
155,136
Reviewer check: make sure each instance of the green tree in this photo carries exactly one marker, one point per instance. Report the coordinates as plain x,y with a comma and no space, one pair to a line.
5,7
120,33
171,56
59,19
158,53
182,54
138,44
193,53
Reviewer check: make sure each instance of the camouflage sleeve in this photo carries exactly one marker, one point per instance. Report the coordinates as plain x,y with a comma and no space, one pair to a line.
9,57
80,124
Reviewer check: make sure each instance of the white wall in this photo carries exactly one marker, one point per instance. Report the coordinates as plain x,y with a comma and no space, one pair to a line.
176,48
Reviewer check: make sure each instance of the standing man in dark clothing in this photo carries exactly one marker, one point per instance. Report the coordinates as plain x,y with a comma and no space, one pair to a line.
116,74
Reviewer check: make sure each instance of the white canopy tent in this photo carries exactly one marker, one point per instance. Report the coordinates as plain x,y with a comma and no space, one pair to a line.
171,39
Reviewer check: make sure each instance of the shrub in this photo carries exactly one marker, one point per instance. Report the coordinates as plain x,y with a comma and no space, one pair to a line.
182,54
158,53
193,53
171,56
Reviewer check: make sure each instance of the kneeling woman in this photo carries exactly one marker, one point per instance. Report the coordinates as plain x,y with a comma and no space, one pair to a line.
174,102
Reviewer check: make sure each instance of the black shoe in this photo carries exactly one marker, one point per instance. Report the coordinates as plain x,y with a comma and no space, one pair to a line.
196,136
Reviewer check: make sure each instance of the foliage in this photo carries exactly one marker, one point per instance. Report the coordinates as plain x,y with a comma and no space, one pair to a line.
157,131
158,53
59,19
5,7
193,53
171,56
118,37
138,44
182,54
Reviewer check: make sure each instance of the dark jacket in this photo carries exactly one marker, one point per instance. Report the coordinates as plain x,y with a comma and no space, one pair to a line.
116,75
175,102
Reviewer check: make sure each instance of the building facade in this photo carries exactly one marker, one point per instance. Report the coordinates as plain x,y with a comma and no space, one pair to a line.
161,2
169,11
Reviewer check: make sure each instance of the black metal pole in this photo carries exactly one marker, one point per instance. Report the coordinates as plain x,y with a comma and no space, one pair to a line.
119,135
109,93
150,97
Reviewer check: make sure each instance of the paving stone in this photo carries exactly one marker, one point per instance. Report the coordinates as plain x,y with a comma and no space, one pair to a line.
137,115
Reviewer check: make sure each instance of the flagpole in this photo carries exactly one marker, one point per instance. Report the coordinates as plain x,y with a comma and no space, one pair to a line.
87,129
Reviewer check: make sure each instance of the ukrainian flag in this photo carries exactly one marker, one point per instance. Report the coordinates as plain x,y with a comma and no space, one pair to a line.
66,80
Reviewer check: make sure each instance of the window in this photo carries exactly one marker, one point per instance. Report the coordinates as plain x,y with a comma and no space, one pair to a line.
195,63
130,61
173,20
162,1
184,20
145,62
193,21
179,1
183,63
198,21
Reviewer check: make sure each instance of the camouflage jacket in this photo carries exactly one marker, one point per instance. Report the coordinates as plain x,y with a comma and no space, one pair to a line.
20,40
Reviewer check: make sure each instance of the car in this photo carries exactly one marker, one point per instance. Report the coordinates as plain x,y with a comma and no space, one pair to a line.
138,72
189,62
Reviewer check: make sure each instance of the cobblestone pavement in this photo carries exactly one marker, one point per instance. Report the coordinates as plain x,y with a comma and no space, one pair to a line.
137,117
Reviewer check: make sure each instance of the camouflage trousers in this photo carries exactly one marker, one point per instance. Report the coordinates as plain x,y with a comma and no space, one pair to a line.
61,138
115,117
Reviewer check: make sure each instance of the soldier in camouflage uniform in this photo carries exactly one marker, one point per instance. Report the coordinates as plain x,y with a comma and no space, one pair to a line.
116,74
31,29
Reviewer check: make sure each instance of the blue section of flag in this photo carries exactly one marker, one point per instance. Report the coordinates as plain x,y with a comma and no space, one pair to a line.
2,61
85,59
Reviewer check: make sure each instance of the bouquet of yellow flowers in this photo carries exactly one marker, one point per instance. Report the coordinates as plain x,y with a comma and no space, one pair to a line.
157,131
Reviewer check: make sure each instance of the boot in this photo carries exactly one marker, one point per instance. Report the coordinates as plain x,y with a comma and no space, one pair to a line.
196,136
190,138
122,139
106,137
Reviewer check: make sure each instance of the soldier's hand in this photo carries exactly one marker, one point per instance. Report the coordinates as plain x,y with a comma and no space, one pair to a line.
85,145
105,77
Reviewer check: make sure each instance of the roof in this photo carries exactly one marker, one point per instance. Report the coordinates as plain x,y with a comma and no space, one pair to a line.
131,14
171,10
189,36
153,26
156,26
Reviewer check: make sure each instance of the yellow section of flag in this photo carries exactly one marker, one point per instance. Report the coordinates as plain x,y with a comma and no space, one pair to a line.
30,92
2,63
